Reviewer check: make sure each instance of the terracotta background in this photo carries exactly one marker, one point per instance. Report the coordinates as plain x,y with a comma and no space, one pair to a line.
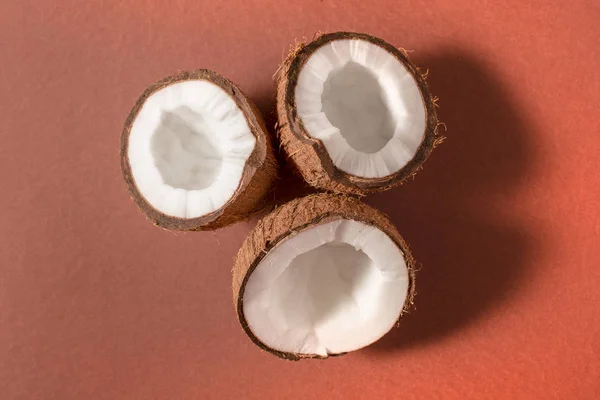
95,303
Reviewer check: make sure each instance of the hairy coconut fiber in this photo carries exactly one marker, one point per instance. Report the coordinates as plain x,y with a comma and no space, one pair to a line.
309,156
294,217
258,174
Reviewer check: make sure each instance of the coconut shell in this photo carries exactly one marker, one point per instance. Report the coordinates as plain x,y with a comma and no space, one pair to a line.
309,157
294,217
257,177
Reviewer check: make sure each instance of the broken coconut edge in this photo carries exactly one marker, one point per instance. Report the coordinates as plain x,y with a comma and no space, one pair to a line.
299,215
308,155
258,175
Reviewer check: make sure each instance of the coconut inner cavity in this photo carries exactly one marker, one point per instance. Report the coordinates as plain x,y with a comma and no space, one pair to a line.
354,102
363,104
330,289
188,147
319,282
185,152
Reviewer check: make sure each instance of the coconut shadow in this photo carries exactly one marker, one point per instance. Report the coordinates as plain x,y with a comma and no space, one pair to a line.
472,256
288,184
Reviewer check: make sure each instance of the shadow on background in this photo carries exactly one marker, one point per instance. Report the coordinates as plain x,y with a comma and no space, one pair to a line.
288,185
472,256
471,253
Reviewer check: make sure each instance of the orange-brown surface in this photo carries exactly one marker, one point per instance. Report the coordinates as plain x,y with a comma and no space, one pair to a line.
96,303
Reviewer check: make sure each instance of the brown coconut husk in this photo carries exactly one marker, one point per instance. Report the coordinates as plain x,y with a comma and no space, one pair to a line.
298,215
257,178
308,155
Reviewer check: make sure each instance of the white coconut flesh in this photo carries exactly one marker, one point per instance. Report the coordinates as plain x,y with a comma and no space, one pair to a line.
188,147
330,289
363,104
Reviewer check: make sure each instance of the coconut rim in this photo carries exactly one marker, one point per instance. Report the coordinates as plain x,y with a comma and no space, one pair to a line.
290,79
253,163
317,220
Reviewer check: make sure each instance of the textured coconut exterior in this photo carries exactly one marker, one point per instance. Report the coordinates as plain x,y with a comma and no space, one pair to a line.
258,175
308,155
296,216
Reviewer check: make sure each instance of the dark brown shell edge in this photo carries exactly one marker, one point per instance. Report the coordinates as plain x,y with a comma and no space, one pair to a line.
308,155
257,178
293,217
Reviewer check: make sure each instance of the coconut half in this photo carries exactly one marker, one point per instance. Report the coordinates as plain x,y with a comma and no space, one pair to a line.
322,275
195,153
354,113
